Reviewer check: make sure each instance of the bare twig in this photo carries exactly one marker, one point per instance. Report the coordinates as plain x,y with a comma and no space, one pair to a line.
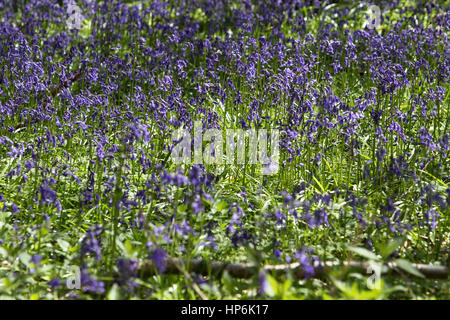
246,271
66,83
56,90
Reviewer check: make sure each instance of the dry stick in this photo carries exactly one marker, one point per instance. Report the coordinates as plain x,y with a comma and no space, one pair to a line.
246,271
193,285
65,83
55,91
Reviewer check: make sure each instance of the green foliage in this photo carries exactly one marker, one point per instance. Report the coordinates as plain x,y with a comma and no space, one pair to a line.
39,228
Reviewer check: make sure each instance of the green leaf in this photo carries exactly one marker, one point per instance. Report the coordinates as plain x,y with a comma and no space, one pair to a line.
393,245
25,258
319,184
114,293
63,244
3,252
408,267
128,247
363,253
228,281
34,296
85,31
272,284
222,205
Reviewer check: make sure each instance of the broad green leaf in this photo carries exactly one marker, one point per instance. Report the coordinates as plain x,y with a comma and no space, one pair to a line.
114,293
408,267
222,205
363,253
34,296
25,258
128,247
393,245
65,246
271,285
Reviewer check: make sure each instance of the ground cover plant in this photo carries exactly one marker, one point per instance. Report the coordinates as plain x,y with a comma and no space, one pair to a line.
91,92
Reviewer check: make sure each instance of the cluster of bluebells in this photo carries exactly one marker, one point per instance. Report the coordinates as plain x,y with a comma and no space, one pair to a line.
86,118
127,271
91,244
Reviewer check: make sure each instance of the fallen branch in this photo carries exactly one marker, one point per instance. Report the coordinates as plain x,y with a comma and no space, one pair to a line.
55,91
246,271
66,83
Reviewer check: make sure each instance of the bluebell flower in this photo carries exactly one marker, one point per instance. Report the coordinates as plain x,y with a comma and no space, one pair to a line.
89,284
305,263
54,283
36,259
263,283
159,258
91,243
